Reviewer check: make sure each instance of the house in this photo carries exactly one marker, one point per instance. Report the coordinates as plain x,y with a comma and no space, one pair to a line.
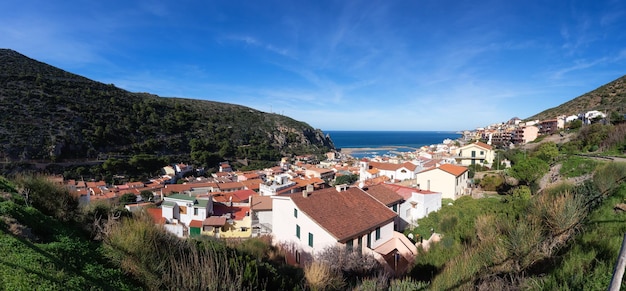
180,210
306,224
387,197
169,171
225,167
278,184
403,171
261,211
238,221
450,180
416,203
324,174
475,153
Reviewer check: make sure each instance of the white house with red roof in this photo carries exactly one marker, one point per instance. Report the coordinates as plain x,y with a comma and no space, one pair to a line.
451,180
400,171
475,153
308,223
180,210
416,203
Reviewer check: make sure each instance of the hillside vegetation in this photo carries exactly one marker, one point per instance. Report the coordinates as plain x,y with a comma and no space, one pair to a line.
561,235
50,115
609,98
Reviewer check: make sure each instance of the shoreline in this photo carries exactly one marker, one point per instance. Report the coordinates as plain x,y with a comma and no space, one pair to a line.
349,151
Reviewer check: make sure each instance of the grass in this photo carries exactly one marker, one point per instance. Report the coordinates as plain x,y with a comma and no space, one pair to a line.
576,166
58,259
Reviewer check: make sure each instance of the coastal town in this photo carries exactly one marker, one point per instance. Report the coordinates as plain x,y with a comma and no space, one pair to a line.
307,203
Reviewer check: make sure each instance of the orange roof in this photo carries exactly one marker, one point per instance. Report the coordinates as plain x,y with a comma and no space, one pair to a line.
252,184
230,185
156,214
179,188
239,212
450,169
195,223
453,169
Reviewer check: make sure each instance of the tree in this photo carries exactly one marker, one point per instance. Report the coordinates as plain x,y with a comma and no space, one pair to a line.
346,179
575,124
128,198
147,195
547,151
528,171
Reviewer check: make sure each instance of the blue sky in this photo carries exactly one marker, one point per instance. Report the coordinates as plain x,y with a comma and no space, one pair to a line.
337,65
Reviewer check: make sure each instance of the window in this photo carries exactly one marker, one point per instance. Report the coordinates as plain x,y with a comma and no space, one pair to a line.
369,240
295,213
482,153
195,211
360,243
395,208
473,154
378,233
310,239
349,245
298,257
298,231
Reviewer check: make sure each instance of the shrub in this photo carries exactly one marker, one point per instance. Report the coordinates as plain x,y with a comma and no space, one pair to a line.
51,199
320,276
350,263
491,182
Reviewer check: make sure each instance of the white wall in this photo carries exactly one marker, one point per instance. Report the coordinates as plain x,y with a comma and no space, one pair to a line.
426,203
264,216
284,227
440,181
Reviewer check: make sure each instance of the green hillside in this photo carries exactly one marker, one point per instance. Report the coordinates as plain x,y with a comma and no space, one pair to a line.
609,98
47,114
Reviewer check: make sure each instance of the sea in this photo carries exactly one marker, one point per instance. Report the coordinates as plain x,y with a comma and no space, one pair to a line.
387,143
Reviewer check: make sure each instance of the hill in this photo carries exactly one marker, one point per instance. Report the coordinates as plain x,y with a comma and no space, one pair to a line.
609,98
52,115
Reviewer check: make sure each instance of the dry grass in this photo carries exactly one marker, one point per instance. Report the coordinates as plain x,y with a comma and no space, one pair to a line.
162,261
320,276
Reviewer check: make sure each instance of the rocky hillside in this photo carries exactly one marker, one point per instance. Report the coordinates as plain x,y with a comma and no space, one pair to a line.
610,98
51,115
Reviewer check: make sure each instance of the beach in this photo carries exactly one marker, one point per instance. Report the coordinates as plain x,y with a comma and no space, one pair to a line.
349,151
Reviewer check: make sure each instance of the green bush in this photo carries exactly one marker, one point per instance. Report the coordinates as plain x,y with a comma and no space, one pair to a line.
51,199
491,182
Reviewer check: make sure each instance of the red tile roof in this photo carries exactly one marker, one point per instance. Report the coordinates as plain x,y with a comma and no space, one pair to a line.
239,212
453,169
407,192
383,194
393,167
195,223
214,221
156,214
344,214
483,145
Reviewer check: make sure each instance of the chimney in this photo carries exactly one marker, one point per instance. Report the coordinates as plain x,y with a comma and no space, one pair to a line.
341,187
305,193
